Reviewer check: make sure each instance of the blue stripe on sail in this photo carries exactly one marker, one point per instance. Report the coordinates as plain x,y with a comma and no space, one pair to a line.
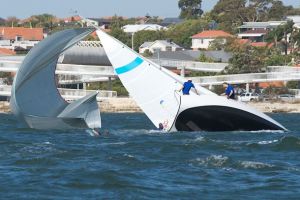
130,66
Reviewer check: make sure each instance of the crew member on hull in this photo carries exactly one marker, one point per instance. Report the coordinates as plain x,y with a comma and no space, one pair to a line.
229,91
187,86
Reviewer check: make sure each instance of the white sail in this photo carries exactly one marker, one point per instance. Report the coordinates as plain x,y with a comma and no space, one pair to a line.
154,89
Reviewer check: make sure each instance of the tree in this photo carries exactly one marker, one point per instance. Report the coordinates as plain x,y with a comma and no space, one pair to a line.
229,14
12,21
181,33
190,9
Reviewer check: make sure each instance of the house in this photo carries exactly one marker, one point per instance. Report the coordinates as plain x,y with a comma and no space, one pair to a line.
104,23
161,45
133,28
256,31
19,38
257,35
203,39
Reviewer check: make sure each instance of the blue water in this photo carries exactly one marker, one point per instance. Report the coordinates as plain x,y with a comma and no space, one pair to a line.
135,162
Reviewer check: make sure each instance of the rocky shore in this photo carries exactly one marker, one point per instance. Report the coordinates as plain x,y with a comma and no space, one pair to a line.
123,105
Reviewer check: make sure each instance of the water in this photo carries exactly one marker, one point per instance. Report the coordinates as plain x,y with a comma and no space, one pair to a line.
136,162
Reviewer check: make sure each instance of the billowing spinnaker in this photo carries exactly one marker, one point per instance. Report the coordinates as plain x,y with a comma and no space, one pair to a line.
153,90
35,98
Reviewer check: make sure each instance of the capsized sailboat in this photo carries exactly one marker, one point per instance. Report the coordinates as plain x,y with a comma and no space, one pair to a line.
35,98
154,88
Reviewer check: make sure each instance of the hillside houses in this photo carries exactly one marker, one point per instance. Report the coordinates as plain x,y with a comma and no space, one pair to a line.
20,39
203,39
161,45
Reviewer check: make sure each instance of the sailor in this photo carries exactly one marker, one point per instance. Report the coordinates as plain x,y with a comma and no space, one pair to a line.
163,126
160,126
229,91
187,86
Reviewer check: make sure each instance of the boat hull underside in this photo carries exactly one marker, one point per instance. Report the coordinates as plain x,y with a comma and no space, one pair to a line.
221,118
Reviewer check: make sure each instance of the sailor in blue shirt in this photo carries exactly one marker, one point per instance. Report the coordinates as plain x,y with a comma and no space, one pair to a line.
187,86
229,91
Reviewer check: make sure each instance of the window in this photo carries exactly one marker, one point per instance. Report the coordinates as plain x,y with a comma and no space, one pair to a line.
19,38
168,48
202,41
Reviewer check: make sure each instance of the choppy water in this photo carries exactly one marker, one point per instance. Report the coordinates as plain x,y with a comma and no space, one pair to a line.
135,162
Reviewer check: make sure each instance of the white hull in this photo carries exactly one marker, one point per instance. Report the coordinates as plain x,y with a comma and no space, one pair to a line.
216,113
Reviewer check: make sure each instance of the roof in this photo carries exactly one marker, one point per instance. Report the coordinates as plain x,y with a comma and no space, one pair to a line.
7,52
146,44
261,44
212,34
164,42
262,25
243,41
133,28
10,33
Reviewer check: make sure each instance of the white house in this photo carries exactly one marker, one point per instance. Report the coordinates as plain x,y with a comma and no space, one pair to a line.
202,40
133,28
161,45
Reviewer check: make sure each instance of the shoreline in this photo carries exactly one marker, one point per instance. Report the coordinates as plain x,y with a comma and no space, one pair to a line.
128,105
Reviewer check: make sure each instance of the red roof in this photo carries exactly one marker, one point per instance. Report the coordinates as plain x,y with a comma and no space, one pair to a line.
10,33
261,44
243,41
212,34
6,52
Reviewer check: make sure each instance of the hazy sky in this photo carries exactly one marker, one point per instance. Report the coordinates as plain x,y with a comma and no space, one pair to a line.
99,8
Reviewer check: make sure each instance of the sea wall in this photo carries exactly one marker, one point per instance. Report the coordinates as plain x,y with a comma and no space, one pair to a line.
121,105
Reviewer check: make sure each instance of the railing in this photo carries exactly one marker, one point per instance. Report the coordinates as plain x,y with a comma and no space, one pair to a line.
247,78
191,65
283,69
68,94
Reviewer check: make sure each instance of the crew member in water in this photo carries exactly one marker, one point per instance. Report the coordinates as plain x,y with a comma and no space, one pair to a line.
187,86
229,91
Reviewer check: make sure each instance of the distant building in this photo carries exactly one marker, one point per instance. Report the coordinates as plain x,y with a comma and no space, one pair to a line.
104,23
171,21
161,45
257,35
19,38
203,39
256,31
133,28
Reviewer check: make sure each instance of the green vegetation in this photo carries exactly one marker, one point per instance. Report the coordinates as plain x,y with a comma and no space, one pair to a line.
190,9
116,85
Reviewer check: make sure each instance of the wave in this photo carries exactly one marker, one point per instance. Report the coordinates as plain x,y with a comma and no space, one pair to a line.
255,165
213,161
